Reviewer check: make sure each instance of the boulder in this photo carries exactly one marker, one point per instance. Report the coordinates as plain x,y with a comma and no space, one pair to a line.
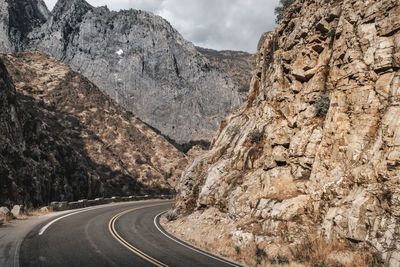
18,210
4,211
45,210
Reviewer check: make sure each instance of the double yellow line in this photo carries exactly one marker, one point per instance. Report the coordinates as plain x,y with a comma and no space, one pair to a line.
114,233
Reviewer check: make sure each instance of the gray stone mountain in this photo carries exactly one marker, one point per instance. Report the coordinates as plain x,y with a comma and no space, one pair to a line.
142,62
17,19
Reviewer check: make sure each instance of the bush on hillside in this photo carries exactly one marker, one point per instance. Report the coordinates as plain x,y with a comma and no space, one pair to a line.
322,105
171,216
255,136
280,10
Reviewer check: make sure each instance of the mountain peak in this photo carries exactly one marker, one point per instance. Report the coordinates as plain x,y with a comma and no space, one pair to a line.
63,6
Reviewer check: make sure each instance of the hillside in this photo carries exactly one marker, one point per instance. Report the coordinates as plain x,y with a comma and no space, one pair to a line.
136,57
307,172
64,139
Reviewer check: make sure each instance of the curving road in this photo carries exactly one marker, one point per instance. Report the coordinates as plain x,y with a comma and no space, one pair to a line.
114,235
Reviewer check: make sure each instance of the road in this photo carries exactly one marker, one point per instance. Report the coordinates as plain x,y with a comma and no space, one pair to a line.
114,235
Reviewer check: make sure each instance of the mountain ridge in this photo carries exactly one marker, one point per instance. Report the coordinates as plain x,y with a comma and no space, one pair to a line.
74,141
143,63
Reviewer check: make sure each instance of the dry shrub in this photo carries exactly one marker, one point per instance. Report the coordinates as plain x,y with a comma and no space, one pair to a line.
35,212
280,10
316,252
5,218
171,216
322,105
255,136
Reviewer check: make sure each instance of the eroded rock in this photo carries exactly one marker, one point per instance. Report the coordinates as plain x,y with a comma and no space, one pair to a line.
334,177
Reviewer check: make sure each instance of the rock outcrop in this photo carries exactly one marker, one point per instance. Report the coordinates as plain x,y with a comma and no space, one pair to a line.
138,59
237,64
62,139
308,170
17,19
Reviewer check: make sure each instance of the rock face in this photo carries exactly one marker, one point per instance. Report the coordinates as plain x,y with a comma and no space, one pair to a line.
238,65
142,63
278,176
64,139
17,19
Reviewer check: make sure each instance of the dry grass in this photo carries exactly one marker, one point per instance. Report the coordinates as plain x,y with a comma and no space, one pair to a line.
208,231
25,215
317,252
39,212
4,219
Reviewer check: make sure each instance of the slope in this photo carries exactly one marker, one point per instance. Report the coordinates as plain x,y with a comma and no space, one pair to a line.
67,140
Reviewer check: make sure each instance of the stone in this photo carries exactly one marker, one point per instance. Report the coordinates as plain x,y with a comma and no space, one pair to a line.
44,210
18,210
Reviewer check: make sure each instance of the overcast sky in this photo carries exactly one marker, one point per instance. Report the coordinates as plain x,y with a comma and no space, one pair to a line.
217,24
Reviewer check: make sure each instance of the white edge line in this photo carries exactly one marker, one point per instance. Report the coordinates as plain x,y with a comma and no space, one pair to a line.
16,255
44,228
189,247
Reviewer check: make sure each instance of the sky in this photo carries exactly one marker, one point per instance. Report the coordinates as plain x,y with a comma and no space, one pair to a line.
216,24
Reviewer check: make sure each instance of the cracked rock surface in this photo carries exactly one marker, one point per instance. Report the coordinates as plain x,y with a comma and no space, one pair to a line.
277,174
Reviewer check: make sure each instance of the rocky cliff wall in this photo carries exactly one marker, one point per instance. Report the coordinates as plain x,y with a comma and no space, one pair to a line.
143,64
237,64
308,171
17,19
62,139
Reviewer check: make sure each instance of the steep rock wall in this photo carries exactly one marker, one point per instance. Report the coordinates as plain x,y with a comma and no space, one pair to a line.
281,172
144,64
17,19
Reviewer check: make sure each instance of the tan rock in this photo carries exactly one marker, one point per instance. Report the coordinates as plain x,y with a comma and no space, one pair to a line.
336,177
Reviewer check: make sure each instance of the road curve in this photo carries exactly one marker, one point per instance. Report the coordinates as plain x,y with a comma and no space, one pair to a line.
114,235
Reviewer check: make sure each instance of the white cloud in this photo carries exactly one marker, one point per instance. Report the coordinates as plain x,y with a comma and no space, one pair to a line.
218,24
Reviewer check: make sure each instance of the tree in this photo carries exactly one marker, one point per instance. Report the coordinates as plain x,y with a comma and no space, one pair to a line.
280,10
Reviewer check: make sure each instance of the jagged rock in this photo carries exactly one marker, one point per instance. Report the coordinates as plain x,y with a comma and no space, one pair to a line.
333,177
17,210
140,61
63,139
17,19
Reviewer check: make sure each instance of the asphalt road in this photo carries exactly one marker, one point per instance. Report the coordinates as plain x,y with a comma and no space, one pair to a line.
116,235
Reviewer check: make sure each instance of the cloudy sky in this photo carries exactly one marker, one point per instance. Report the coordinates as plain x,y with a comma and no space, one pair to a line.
217,24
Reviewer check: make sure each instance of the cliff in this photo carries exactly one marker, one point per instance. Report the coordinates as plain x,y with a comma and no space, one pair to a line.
307,171
17,19
62,139
143,63
238,65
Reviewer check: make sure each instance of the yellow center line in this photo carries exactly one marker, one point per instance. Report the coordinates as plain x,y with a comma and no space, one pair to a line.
114,233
